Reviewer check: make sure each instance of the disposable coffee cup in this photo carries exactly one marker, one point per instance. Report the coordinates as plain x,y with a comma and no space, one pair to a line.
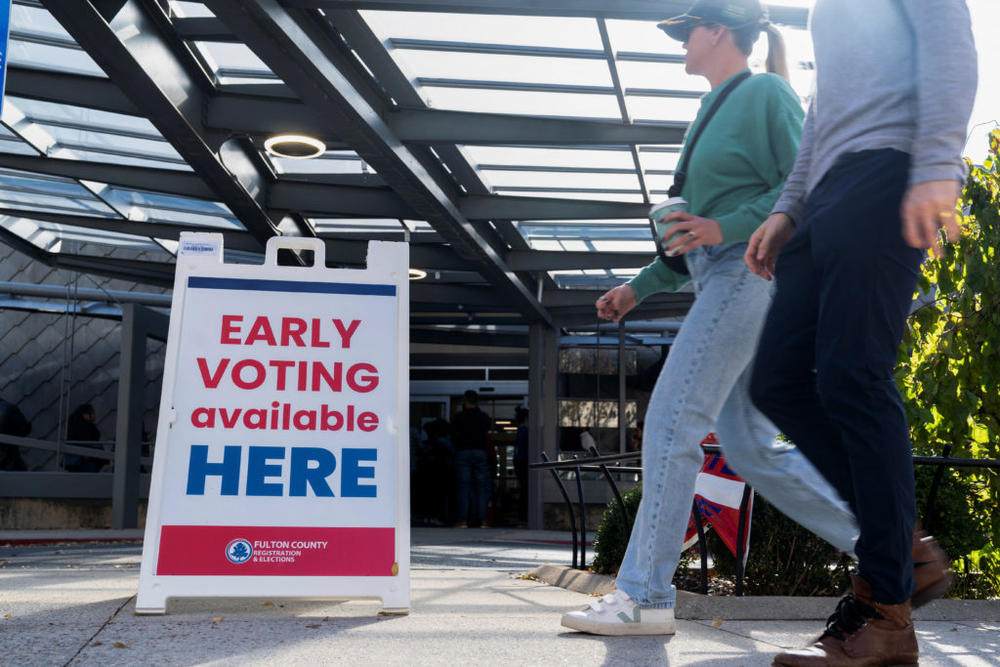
661,210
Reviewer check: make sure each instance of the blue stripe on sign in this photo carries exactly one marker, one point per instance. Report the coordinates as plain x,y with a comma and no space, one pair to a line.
256,285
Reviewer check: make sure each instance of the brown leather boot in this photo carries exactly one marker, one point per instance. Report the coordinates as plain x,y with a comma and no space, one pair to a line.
931,575
861,633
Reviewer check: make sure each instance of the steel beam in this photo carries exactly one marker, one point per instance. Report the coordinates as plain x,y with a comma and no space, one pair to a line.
76,90
203,29
128,427
263,116
289,44
85,294
464,295
153,67
133,270
648,10
459,127
321,199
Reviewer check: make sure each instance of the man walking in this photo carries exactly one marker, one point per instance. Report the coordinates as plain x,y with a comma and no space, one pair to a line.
877,176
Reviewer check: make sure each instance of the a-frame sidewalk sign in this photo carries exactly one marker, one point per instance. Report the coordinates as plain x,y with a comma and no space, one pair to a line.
281,467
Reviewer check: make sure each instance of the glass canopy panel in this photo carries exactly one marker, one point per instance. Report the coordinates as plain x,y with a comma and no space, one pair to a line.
502,179
659,75
44,193
569,33
14,145
519,68
331,162
649,108
96,236
522,102
155,207
615,158
114,148
630,196
11,180
114,156
592,279
52,237
38,41
93,119
643,248
235,63
70,132
189,9
34,201
354,225
641,37
567,231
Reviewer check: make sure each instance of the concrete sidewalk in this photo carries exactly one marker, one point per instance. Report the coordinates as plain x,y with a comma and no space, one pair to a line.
73,603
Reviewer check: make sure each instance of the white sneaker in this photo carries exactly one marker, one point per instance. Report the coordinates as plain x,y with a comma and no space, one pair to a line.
618,614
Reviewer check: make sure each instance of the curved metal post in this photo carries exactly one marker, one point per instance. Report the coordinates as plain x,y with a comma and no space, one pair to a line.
932,495
583,519
569,505
740,561
626,518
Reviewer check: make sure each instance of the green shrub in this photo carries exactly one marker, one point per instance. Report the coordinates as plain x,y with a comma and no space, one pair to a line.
787,559
611,540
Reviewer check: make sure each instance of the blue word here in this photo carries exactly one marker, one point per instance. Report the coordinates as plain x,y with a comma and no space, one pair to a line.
308,467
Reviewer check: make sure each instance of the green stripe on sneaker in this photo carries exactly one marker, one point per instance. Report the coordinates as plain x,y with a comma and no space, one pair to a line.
635,615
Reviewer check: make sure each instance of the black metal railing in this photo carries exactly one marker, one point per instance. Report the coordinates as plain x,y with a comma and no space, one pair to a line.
597,462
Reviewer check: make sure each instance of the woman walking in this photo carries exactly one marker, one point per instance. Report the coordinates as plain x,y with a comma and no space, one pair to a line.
734,176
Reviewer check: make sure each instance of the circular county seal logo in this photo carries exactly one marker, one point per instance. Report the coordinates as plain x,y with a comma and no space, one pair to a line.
239,551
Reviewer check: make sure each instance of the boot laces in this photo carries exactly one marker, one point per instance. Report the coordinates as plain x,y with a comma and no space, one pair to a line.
849,617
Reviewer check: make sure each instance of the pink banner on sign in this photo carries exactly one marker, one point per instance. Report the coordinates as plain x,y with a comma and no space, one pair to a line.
276,551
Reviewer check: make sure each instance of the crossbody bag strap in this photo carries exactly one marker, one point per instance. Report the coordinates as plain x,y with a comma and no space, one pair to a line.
681,174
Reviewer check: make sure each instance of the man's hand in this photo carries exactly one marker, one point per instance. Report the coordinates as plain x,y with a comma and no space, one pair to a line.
928,207
616,303
766,243
691,231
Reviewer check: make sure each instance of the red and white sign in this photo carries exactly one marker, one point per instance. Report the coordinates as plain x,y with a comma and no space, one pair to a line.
281,462
718,493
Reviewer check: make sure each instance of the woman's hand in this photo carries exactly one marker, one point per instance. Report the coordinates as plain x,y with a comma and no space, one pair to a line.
616,303
692,232
766,243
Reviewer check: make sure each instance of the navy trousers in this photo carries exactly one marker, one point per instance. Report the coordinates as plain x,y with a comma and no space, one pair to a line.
824,368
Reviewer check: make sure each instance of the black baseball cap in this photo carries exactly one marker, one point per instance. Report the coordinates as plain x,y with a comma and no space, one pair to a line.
730,13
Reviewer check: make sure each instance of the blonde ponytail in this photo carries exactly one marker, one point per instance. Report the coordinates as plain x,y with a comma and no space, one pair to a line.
777,54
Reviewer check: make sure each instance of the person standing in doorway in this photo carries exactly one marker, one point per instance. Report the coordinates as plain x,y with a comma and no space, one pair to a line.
877,177
470,436
734,176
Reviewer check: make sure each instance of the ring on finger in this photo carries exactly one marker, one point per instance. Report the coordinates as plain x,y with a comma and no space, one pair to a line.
944,215
692,235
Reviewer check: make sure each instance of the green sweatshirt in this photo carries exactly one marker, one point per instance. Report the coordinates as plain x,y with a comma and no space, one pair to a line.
738,167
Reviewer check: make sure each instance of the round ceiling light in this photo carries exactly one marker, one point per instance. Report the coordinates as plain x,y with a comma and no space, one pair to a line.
417,274
295,146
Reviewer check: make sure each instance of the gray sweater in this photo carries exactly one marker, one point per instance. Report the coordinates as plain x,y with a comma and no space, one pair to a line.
889,74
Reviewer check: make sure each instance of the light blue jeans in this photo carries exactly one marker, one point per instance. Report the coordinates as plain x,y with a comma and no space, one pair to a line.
704,387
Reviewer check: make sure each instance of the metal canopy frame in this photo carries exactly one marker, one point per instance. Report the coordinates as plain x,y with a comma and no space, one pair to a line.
496,234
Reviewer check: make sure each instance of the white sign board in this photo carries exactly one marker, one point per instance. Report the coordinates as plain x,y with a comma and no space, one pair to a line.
281,466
